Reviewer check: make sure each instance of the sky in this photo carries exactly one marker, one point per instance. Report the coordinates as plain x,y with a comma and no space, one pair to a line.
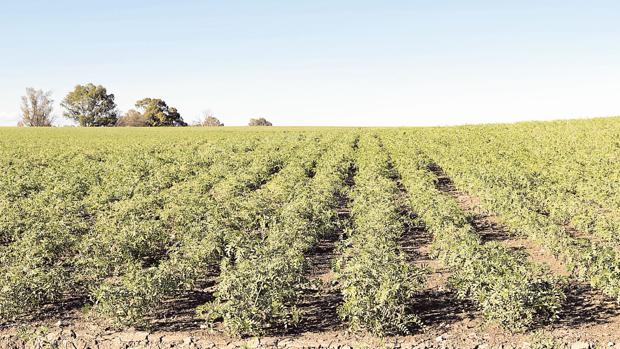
321,62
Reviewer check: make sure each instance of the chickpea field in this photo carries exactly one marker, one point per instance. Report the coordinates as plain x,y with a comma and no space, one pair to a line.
275,231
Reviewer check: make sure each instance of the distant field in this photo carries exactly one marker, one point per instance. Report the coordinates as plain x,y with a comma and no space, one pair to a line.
512,231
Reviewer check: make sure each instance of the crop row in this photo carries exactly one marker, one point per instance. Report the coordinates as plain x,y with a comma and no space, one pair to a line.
262,281
499,185
131,225
54,250
45,227
506,286
567,172
377,282
196,210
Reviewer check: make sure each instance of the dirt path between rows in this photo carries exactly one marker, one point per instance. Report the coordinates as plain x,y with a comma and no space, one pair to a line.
489,227
320,305
436,305
585,308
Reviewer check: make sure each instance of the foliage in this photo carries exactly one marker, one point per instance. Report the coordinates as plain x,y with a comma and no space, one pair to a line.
546,181
378,283
131,220
158,113
192,211
90,105
264,273
259,122
503,284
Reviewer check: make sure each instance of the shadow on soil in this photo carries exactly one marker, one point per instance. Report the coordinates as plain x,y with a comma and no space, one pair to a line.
320,306
179,314
584,306
433,305
436,304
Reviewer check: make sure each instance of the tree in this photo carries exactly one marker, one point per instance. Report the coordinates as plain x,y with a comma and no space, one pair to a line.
259,122
132,118
90,105
209,120
37,108
157,113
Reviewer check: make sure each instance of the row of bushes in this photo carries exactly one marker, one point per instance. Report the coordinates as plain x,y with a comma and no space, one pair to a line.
198,228
262,281
107,212
508,189
504,284
376,280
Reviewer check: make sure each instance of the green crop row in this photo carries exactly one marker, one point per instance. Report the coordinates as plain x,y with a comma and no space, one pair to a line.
376,280
198,230
565,171
502,283
261,281
133,217
129,222
47,226
500,185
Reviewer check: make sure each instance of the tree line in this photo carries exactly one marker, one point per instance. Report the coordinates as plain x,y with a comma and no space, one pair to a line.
92,106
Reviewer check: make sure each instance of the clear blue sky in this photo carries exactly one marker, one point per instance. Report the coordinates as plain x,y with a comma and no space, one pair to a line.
322,62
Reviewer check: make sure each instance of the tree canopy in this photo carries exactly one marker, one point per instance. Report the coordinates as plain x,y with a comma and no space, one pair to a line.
90,105
259,122
157,113
36,108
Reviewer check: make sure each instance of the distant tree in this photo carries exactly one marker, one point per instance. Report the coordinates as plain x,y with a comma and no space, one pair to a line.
90,105
132,118
209,120
259,122
157,113
37,108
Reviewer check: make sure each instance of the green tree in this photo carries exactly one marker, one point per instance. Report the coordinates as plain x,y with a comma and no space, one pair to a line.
36,108
259,122
158,113
90,105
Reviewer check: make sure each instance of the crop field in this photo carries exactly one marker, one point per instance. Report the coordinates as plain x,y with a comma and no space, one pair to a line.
448,236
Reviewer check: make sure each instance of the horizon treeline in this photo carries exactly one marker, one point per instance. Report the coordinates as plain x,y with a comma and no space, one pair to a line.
91,105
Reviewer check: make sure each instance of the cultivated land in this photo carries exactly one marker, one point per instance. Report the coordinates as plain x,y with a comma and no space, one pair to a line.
466,236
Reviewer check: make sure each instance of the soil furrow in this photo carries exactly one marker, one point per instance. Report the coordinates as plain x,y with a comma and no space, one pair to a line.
489,227
320,304
584,306
436,305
